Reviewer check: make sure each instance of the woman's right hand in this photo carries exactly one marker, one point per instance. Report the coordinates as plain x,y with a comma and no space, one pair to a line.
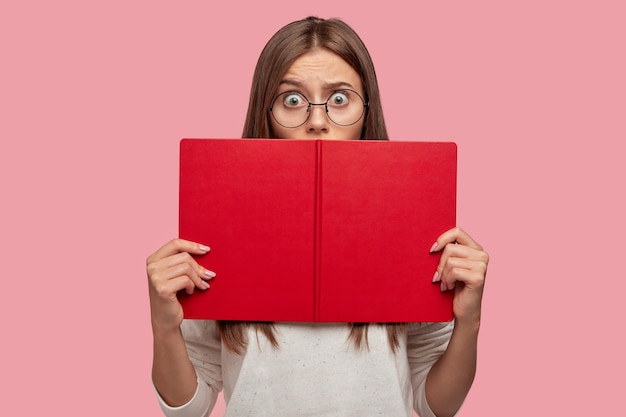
171,269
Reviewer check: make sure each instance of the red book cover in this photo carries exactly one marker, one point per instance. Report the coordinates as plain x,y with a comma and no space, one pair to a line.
318,230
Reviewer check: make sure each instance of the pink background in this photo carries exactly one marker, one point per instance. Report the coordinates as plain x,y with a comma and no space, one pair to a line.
95,96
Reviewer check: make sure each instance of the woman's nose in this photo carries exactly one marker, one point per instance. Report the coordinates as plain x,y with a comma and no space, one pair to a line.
318,119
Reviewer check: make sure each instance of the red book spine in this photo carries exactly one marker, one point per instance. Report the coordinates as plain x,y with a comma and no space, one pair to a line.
317,284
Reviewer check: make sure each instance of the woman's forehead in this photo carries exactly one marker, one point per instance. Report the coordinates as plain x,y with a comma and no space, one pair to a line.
321,69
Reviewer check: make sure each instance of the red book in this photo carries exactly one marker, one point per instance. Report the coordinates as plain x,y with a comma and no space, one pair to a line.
318,230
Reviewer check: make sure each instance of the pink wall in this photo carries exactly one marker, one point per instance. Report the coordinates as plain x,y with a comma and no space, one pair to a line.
93,102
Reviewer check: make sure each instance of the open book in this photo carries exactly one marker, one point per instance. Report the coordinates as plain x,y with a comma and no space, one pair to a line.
318,230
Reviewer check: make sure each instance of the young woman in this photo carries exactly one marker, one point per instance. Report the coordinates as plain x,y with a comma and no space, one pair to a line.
314,80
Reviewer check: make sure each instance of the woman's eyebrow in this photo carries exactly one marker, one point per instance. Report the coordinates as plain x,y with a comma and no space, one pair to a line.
328,85
338,84
291,82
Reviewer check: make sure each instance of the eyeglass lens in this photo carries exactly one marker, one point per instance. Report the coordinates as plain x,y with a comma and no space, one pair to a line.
343,107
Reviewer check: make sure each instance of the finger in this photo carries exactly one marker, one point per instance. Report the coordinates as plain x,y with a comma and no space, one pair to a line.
175,246
179,258
454,235
181,270
464,252
168,289
459,251
470,272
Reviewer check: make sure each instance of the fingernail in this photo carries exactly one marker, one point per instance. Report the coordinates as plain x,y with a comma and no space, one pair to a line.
209,274
204,248
436,276
205,285
443,286
433,247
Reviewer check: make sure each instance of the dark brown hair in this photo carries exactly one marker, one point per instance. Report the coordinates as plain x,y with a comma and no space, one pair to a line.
287,45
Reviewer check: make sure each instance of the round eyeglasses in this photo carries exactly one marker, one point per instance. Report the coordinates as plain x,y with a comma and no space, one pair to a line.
343,107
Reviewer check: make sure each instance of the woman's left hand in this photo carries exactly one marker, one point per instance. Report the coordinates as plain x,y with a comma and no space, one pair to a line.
462,268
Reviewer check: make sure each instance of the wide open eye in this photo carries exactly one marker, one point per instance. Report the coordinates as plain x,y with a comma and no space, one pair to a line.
293,100
339,98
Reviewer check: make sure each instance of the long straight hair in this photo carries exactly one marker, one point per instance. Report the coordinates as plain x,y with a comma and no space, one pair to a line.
287,45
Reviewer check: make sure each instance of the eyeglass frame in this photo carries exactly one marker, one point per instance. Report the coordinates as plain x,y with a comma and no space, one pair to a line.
325,104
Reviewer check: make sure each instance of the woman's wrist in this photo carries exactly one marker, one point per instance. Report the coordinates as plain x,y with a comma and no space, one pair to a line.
467,325
165,333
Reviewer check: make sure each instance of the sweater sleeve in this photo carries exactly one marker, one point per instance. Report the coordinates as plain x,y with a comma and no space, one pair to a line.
204,348
426,343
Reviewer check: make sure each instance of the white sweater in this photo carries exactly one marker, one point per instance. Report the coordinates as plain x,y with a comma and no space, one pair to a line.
316,371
